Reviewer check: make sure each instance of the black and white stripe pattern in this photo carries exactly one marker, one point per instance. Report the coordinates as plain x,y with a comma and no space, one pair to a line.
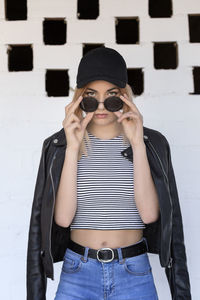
105,191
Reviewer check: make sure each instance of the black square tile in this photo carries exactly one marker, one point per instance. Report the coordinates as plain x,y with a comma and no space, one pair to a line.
15,10
165,55
160,8
136,80
54,31
57,83
88,9
20,58
127,31
194,28
88,47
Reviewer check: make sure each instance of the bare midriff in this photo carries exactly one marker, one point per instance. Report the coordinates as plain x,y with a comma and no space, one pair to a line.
106,238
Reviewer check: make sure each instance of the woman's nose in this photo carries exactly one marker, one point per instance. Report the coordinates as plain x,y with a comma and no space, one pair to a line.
101,104
100,100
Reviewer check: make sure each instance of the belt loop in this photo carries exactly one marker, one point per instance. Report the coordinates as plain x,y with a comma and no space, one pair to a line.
120,256
85,258
146,243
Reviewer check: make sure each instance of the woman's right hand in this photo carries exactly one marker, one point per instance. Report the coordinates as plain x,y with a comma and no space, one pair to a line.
73,126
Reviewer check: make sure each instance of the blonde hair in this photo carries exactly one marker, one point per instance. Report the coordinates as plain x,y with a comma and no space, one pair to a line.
79,113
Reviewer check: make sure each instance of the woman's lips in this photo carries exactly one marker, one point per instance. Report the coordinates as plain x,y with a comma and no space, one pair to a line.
101,116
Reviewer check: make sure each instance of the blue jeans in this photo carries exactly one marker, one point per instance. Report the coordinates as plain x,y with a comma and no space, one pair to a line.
85,278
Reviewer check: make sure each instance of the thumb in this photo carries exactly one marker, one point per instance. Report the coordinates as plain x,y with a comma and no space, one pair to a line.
118,113
87,119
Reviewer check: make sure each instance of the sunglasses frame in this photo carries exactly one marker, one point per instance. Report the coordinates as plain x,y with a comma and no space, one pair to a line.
113,98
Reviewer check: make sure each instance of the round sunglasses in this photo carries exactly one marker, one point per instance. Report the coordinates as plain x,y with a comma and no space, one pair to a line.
90,104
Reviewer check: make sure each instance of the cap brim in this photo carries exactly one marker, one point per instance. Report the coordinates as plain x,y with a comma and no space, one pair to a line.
119,83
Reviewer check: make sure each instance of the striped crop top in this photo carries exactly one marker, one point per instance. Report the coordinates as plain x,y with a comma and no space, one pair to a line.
105,191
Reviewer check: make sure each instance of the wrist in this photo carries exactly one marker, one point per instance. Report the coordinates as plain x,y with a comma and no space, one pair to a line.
72,150
140,145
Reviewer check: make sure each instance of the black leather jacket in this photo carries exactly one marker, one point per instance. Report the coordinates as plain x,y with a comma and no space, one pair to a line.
47,241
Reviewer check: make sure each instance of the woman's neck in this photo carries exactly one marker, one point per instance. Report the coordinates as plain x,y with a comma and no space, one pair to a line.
105,132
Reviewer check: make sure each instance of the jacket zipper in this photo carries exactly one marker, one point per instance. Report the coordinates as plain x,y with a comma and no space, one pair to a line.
154,150
53,205
170,263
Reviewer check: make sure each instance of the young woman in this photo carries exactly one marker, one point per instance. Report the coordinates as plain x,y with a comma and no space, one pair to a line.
105,196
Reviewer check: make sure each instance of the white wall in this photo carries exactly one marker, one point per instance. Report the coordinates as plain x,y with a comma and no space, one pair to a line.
27,117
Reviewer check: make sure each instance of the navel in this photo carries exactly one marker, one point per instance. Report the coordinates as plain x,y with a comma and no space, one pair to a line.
104,244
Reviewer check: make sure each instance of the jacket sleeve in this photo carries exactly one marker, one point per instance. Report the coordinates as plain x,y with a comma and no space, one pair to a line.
36,281
177,274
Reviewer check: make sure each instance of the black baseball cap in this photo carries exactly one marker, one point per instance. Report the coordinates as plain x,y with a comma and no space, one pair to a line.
102,63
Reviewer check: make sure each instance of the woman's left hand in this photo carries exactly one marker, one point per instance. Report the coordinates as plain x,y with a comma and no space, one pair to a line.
132,122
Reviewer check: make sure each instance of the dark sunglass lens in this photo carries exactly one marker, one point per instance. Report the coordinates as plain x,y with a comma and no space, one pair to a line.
113,103
88,104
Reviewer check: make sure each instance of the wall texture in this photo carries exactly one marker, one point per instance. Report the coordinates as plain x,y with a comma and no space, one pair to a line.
167,97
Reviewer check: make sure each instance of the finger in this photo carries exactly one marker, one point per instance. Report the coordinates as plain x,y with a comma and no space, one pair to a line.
74,125
74,105
73,117
68,106
118,113
87,119
129,115
121,113
130,104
